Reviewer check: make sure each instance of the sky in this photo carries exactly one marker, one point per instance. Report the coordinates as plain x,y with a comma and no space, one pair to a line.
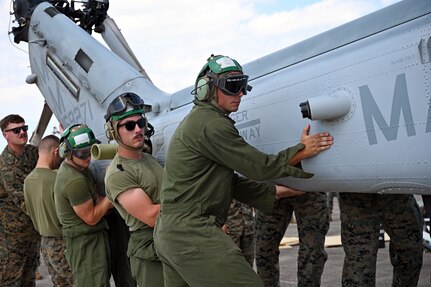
173,39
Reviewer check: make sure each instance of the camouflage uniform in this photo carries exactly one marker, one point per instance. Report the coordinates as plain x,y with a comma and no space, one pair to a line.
361,215
53,249
3,195
20,242
311,211
241,228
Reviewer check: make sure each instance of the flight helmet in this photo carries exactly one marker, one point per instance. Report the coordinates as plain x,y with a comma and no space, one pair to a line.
78,137
215,74
123,106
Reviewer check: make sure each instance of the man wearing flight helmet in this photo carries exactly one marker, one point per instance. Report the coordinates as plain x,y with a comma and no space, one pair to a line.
200,181
133,181
81,211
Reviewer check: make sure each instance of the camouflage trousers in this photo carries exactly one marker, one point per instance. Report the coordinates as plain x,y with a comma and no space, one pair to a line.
246,244
361,215
311,212
2,237
19,258
240,225
52,249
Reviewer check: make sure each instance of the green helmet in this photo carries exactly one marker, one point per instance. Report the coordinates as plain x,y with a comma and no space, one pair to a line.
213,74
76,137
124,105
218,65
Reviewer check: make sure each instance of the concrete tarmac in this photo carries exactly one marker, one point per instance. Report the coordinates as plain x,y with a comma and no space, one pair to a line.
333,267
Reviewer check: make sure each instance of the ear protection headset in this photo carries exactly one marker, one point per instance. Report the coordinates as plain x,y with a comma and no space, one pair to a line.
124,105
215,66
64,147
204,86
75,137
109,129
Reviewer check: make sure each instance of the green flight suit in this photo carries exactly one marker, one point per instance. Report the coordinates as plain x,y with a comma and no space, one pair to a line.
198,186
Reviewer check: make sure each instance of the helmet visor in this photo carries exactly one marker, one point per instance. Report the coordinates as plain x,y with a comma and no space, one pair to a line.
82,153
233,85
119,104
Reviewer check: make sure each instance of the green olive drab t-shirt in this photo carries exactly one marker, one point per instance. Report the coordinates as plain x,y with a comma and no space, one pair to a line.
124,174
74,187
39,200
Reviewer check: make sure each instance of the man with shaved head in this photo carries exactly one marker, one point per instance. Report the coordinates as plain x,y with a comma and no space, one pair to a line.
40,206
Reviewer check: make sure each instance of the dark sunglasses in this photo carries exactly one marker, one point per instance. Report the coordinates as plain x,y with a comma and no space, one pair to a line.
18,129
82,153
120,104
233,85
130,125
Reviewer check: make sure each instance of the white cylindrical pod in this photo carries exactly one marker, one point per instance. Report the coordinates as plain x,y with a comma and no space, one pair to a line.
326,107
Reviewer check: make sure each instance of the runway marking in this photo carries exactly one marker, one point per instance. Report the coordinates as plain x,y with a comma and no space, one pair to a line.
330,241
